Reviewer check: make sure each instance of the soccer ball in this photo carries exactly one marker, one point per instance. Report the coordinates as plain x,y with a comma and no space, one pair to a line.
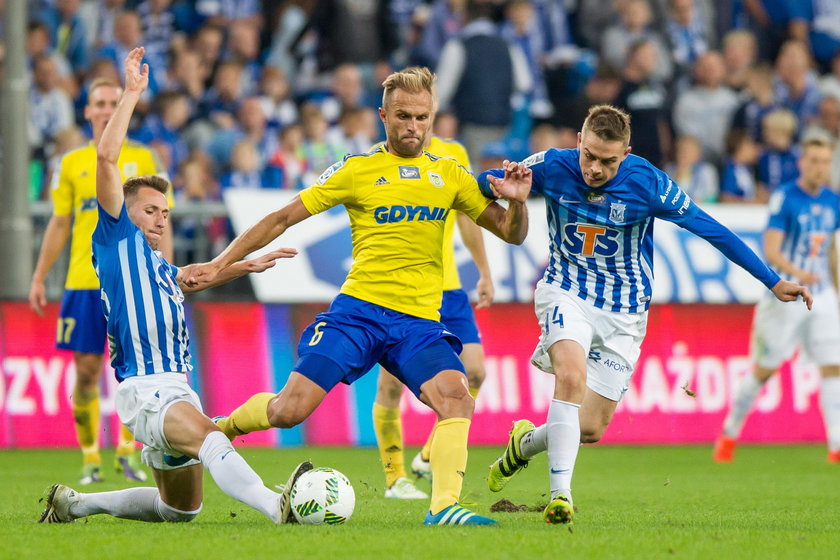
322,496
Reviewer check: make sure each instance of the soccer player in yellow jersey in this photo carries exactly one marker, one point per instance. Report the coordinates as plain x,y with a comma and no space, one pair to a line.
81,323
458,318
398,197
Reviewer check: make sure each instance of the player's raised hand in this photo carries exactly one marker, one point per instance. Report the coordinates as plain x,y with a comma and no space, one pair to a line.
788,291
136,73
515,185
268,260
37,297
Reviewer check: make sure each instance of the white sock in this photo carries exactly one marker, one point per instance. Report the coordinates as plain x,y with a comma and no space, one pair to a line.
234,476
830,404
563,435
534,442
741,405
139,504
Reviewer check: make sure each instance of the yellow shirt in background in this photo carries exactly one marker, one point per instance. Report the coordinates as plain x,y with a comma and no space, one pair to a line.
74,193
397,207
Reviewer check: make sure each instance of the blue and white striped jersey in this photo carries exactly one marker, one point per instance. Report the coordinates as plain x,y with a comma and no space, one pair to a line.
809,222
147,327
601,239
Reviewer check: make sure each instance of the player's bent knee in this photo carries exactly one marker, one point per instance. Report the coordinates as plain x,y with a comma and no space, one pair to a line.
173,515
591,434
284,416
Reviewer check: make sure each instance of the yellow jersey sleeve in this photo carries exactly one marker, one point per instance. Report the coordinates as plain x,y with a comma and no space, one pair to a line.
334,187
61,188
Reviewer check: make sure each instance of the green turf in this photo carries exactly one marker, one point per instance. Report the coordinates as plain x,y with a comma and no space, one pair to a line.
634,502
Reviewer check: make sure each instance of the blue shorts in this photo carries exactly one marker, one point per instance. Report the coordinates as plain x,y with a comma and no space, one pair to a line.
457,316
344,343
81,322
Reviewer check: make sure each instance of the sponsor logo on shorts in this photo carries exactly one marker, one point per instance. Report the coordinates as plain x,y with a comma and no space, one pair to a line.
616,366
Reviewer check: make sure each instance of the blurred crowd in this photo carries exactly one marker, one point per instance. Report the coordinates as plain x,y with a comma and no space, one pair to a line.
267,94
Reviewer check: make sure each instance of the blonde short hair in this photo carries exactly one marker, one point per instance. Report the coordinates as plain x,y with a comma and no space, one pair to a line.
414,79
608,123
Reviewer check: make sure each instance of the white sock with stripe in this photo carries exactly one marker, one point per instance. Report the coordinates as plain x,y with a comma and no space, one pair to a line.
830,404
563,435
742,403
534,442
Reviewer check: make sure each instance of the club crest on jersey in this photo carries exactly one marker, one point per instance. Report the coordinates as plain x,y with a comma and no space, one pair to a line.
617,211
435,179
409,172
595,197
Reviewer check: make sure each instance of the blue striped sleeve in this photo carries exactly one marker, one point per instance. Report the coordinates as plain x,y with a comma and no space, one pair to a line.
731,246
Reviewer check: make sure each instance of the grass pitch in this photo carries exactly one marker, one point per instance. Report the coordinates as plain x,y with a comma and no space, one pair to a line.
633,502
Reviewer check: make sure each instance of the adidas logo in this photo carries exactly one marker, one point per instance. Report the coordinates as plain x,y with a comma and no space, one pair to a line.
381,181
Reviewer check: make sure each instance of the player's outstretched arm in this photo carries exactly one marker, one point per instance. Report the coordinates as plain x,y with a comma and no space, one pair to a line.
241,268
256,237
108,181
514,187
474,242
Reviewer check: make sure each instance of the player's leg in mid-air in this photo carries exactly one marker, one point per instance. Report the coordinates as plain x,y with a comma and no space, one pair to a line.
591,353
777,330
458,318
166,414
82,329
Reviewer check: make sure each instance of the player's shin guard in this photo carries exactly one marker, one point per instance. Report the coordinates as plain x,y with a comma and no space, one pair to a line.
448,461
251,416
86,417
426,451
388,428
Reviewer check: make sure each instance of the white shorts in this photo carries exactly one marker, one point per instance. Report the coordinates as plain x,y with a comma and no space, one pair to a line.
142,403
779,328
611,340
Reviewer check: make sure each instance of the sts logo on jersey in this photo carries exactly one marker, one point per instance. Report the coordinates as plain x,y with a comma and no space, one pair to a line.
590,240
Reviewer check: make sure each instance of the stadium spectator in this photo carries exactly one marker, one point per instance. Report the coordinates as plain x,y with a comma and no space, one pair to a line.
593,17
827,127
246,172
817,24
687,35
738,182
799,243
636,25
288,158
50,108
286,52
695,176
777,163
601,88
158,29
243,46
315,150
38,44
277,104
355,132
208,43
478,75
795,86
770,21
830,83
128,33
166,125
102,21
645,99
68,32
705,110
756,101
222,13
522,28
440,23
222,100
740,51
346,91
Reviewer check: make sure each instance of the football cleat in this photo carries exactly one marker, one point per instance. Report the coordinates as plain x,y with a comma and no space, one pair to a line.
284,500
559,510
91,473
404,489
511,461
129,467
724,450
834,457
457,515
59,500
421,467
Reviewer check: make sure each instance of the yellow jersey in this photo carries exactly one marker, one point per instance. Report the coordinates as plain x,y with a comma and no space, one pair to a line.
397,207
456,151
74,193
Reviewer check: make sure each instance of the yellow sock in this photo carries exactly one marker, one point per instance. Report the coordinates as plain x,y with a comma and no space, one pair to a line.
426,452
86,419
388,428
125,446
449,461
251,416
